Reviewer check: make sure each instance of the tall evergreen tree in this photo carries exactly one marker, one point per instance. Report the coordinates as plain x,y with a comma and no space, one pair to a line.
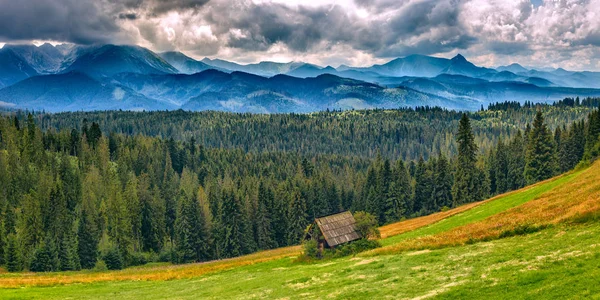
540,160
464,189
297,218
424,200
187,229
12,254
400,193
442,183
516,162
87,235
262,219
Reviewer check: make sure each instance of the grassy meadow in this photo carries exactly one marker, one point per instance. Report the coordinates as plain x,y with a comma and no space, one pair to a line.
539,242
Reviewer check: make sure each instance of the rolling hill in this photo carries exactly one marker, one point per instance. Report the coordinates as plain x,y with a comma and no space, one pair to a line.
540,241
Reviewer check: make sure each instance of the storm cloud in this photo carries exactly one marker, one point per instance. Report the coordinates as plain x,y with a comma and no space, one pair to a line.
355,32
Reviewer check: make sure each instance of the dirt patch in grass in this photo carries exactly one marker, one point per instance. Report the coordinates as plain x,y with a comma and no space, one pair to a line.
440,290
364,262
418,252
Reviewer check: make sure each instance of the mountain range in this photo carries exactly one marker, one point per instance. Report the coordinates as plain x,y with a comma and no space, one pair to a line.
104,77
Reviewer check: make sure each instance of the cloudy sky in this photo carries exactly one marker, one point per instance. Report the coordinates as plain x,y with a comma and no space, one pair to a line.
540,33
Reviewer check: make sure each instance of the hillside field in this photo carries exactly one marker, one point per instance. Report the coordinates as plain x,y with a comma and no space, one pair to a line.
538,242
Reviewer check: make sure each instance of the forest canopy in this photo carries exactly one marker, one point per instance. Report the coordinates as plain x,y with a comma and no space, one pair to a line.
83,190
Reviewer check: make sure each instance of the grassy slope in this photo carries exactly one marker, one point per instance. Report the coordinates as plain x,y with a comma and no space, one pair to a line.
482,211
561,262
525,265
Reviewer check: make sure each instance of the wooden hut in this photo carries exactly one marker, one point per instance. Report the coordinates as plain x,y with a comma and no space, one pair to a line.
333,230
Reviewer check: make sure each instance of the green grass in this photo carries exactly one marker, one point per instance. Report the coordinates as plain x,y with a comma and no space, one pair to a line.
481,212
561,262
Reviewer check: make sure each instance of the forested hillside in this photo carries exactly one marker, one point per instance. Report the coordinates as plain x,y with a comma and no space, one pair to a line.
76,192
405,133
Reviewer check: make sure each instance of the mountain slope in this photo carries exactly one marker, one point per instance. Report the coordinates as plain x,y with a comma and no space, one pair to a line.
74,91
459,65
45,59
13,68
463,87
109,60
183,63
243,92
263,68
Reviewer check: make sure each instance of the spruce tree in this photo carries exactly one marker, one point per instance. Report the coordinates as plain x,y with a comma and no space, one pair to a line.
400,193
424,200
442,183
87,235
297,218
12,254
516,162
384,182
540,160
262,220
187,229
464,189
501,166
236,230
67,255
45,257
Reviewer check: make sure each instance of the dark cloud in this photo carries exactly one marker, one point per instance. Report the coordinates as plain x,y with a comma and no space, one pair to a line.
425,23
163,6
128,16
75,21
375,29
299,28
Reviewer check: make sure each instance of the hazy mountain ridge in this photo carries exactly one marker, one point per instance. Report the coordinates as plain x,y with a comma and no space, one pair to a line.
68,77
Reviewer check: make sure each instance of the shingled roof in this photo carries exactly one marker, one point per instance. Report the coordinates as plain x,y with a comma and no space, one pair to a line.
338,229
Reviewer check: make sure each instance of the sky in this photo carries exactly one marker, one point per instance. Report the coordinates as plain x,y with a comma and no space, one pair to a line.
536,33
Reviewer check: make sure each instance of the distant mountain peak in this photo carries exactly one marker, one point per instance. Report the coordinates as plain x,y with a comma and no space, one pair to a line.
459,57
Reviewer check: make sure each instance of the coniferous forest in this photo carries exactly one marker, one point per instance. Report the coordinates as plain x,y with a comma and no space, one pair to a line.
79,190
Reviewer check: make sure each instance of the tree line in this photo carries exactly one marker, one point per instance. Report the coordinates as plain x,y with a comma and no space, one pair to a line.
395,134
77,198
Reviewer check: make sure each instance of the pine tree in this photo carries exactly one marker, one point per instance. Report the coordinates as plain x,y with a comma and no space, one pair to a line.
113,259
263,220
45,257
516,163
87,235
424,200
384,182
540,157
297,218
233,225
464,189
204,225
169,194
280,213
501,168
442,183
12,254
400,193
187,229
67,255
